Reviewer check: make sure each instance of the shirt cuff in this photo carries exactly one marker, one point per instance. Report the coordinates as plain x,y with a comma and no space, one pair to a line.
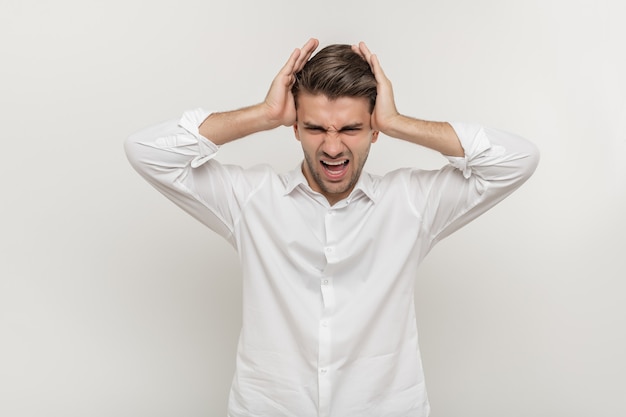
191,121
474,141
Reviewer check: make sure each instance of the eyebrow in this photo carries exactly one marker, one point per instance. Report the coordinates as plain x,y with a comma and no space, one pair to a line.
346,127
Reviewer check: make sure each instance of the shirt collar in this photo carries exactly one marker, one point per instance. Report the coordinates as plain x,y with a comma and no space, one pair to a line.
364,185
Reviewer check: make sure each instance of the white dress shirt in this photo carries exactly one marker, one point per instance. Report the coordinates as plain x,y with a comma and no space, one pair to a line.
328,303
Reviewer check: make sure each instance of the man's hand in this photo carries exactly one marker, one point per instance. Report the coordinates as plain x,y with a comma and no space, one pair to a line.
385,110
279,102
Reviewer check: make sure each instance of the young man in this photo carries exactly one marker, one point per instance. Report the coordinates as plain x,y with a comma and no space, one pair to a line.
329,252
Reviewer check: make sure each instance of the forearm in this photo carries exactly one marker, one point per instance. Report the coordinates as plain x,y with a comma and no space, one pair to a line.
439,136
224,127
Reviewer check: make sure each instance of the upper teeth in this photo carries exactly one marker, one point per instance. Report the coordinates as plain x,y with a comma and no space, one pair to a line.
335,163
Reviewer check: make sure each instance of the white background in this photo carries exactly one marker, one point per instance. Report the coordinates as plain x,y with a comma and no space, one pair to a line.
113,302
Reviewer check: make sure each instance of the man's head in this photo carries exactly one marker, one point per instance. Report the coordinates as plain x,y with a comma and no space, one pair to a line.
336,71
335,94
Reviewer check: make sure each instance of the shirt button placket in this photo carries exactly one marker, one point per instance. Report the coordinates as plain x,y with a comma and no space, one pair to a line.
324,374
325,324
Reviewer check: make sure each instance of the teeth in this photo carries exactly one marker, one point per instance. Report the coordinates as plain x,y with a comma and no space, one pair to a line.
334,163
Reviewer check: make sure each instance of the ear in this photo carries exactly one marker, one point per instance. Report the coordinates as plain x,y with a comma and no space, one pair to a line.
296,132
375,136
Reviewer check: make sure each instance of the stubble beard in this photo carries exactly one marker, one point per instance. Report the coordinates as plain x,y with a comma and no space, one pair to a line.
335,188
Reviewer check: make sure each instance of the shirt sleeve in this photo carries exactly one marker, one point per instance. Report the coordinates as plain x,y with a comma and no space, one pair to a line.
179,162
495,164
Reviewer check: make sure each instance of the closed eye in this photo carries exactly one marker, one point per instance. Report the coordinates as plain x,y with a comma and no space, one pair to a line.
351,130
347,130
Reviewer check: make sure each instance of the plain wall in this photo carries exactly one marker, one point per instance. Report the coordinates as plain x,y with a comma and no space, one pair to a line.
113,302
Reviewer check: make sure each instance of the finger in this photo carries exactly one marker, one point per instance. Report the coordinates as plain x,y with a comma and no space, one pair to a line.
375,64
310,46
372,59
356,50
377,69
306,52
287,69
365,52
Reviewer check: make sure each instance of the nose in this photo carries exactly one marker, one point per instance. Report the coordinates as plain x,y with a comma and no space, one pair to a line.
333,144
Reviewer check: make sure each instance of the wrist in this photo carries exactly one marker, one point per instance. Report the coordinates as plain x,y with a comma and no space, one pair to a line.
269,118
393,125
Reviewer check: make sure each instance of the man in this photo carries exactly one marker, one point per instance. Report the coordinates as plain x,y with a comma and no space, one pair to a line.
329,253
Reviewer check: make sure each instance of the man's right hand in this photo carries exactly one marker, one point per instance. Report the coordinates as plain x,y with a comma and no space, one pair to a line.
278,108
279,102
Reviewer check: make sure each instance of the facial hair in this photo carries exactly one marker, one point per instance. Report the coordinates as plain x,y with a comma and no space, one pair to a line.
328,188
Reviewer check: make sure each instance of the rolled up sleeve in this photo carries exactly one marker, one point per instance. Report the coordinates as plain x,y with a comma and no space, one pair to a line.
495,164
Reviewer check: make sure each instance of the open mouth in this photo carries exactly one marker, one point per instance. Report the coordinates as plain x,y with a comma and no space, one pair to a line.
335,170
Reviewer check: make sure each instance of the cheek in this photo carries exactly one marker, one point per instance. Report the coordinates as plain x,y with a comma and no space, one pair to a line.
309,144
306,149
360,147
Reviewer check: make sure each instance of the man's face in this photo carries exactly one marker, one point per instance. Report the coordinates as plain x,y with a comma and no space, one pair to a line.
336,136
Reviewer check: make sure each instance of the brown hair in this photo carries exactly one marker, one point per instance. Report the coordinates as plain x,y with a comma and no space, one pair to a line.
336,71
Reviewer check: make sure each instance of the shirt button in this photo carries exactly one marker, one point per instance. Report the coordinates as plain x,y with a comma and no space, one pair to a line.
325,282
329,249
323,371
324,323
